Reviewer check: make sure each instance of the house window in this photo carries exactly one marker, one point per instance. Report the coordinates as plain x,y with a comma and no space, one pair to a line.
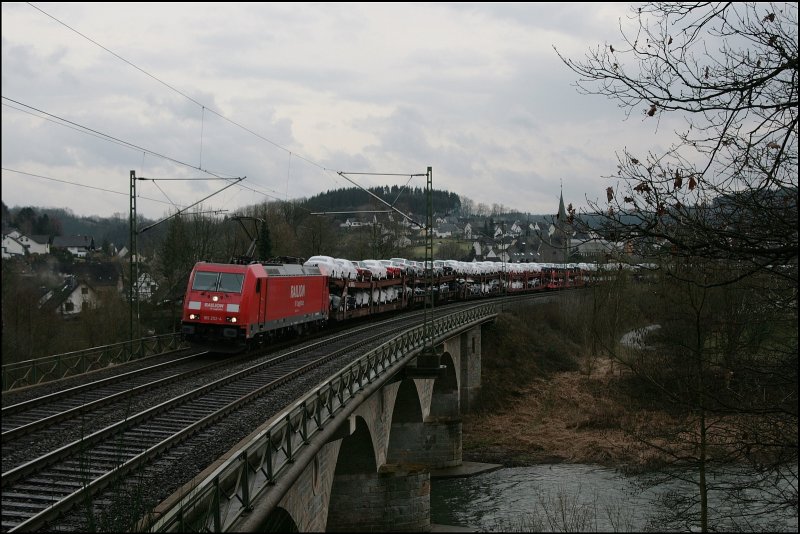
84,291
69,307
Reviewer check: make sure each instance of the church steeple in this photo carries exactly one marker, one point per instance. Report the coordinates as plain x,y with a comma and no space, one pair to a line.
562,212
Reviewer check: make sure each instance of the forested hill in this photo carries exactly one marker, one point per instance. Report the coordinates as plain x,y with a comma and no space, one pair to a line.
408,200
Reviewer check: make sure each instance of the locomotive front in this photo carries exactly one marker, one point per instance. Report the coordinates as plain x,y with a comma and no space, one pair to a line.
214,306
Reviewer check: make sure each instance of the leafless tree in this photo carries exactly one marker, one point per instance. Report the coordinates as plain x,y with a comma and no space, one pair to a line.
727,188
718,211
467,206
316,234
282,232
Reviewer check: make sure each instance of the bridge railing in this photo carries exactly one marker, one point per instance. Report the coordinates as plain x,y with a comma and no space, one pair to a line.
56,366
222,498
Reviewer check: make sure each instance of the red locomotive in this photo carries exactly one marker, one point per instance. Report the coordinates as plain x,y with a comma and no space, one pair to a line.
233,305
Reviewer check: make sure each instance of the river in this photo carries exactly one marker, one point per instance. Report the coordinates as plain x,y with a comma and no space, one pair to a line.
580,498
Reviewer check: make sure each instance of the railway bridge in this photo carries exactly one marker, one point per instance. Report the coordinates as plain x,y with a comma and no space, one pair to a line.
356,453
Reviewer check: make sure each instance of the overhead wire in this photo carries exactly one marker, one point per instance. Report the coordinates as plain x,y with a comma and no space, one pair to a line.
125,144
109,137
203,107
156,78
63,124
165,194
114,54
124,193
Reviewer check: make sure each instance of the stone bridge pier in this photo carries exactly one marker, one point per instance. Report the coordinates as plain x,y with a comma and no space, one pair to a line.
373,473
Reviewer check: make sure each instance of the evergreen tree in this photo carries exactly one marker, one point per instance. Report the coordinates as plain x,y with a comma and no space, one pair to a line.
264,247
25,220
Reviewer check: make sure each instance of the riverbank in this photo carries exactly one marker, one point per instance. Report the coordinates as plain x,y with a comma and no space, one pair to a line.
543,401
570,416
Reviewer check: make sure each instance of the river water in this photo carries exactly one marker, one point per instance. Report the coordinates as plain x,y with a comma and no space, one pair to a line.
580,498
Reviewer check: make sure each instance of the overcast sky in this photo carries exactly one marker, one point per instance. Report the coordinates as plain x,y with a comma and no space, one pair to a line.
289,94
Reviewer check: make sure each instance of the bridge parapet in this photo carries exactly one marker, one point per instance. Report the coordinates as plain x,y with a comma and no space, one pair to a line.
57,366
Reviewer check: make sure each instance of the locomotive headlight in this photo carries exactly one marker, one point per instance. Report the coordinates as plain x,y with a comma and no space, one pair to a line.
215,298
231,319
193,316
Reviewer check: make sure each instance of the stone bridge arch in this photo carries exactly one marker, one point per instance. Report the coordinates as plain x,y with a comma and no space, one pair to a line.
280,520
372,473
445,399
388,492
443,424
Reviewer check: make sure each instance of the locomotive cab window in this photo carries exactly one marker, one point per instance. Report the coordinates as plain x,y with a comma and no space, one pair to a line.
231,282
226,282
205,281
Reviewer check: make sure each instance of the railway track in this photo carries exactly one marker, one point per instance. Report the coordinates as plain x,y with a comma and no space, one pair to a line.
24,417
39,491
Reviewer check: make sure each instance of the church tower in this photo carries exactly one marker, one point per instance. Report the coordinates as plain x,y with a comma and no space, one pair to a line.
556,244
562,212
561,239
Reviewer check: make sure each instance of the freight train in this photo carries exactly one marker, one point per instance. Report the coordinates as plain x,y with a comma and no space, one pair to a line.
229,307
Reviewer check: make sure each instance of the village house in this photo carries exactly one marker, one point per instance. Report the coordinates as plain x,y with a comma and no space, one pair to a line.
15,243
70,298
146,287
77,245
467,232
445,230
88,285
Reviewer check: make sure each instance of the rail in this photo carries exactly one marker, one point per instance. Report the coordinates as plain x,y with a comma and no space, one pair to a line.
37,371
217,502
